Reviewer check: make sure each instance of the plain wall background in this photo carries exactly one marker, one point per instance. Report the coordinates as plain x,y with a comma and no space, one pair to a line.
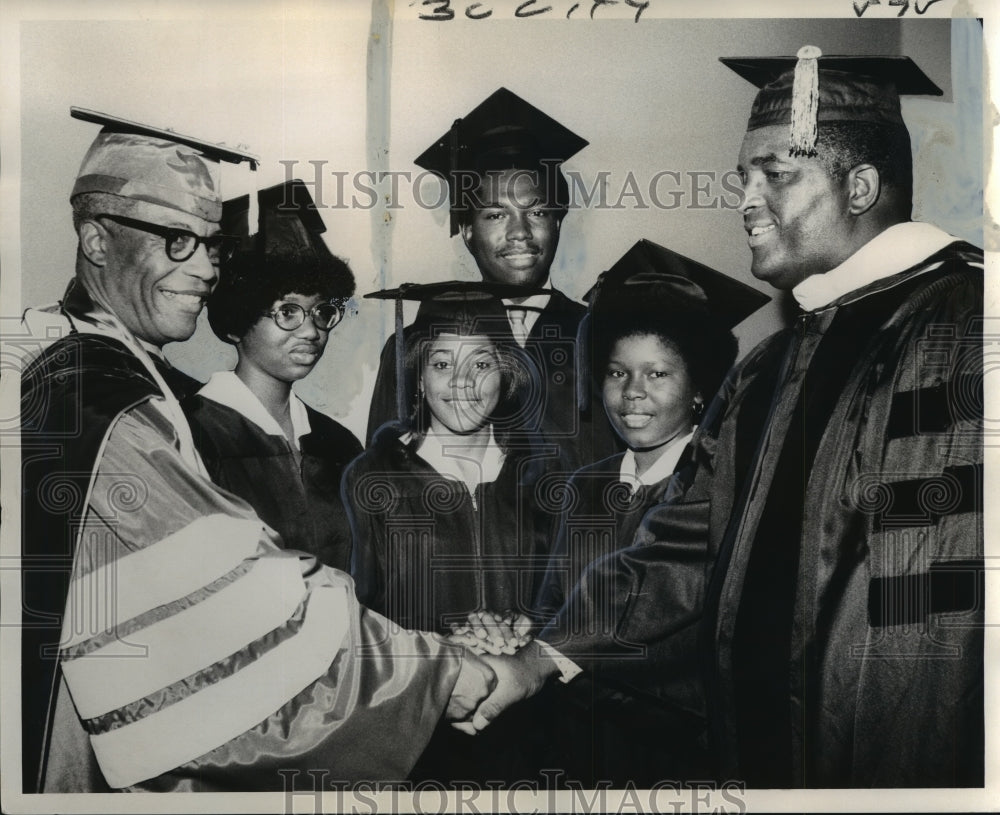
349,96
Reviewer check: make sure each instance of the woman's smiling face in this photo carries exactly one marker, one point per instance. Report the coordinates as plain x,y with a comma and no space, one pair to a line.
460,379
648,392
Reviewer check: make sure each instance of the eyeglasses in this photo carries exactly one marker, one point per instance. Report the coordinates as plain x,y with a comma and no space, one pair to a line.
181,244
289,316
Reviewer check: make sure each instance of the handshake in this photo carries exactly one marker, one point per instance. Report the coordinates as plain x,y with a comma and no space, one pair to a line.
502,665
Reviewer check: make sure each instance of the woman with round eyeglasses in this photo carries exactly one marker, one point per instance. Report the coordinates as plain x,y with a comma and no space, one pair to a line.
257,438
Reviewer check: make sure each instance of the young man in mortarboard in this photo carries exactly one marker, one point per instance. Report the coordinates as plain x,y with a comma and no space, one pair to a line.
508,199
838,499
167,643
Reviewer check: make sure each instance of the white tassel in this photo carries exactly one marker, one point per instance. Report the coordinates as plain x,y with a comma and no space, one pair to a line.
805,102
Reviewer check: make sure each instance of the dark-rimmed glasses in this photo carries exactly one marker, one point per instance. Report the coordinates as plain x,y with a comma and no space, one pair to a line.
289,316
181,244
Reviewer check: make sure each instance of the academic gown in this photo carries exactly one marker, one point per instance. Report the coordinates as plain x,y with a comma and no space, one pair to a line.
827,547
194,654
295,492
427,552
600,516
583,437
611,727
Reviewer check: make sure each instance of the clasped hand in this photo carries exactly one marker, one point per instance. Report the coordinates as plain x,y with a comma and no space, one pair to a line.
486,632
501,645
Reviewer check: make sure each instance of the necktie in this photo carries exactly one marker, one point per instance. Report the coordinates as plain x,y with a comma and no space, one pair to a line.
517,326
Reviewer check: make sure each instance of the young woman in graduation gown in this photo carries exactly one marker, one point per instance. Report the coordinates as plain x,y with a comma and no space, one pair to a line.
277,304
452,509
659,342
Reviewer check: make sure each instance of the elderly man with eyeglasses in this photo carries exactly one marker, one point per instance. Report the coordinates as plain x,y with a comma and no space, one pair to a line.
168,643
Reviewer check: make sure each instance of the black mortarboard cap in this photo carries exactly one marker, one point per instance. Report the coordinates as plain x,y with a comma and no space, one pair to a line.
287,221
448,295
503,132
650,271
155,165
469,306
289,234
654,279
809,88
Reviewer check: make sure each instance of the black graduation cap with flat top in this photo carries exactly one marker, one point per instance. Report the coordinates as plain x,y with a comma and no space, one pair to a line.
899,71
446,306
289,235
652,279
503,132
650,270
288,222
810,88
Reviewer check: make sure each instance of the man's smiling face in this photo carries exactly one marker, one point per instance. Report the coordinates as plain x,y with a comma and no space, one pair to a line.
158,299
514,234
795,214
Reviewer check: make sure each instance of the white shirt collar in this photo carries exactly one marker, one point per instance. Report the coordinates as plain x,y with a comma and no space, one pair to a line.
443,456
892,251
226,388
662,468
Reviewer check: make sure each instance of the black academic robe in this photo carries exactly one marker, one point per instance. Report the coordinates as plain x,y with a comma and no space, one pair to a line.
611,727
582,436
827,548
601,515
296,494
427,552
179,382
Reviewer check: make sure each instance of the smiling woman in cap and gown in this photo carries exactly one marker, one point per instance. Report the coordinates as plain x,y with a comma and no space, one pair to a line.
168,644
462,461
277,303
452,508
658,340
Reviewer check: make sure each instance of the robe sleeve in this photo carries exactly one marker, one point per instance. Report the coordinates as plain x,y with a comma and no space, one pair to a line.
200,656
362,496
552,591
641,595
635,614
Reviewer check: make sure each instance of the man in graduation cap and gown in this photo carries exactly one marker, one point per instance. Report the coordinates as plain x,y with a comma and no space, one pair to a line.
829,541
168,643
508,196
